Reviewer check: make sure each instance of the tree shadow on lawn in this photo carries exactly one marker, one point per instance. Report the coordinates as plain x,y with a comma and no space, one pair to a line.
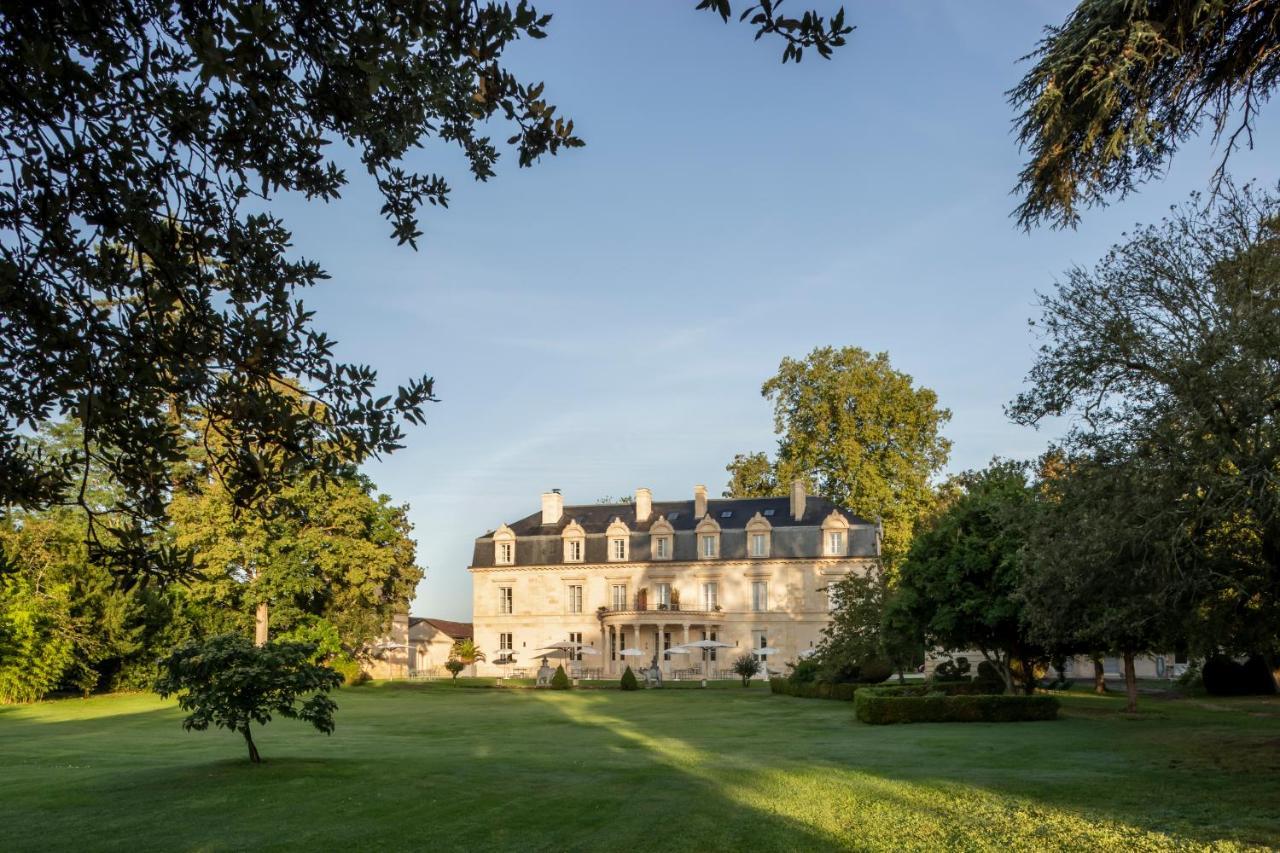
1076,781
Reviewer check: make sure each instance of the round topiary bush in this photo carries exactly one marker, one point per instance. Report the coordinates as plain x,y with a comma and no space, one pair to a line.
989,677
1224,677
560,681
629,681
874,671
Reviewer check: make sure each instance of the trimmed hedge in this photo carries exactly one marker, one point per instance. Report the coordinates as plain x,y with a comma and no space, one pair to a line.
815,690
879,707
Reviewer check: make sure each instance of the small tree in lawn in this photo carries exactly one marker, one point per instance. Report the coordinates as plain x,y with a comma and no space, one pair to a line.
468,653
560,681
629,681
454,666
745,667
228,681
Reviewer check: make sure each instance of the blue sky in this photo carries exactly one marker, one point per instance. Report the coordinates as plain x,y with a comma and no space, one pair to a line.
605,320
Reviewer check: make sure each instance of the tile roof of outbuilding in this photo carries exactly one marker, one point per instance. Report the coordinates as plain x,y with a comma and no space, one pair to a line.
456,630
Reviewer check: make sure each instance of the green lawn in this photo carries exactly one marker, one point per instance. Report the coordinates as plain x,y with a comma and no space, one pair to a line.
437,767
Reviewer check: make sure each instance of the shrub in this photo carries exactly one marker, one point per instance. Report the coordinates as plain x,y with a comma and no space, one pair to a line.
952,670
745,667
454,666
229,682
1190,676
1259,680
1224,677
874,671
560,681
815,690
989,677
629,681
804,672
353,675
879,707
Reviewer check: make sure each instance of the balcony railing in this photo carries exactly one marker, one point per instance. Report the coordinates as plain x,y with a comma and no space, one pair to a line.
673,607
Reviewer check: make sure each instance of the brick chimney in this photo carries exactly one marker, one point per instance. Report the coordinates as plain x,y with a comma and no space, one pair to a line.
797,499
644,504
552,507
699,501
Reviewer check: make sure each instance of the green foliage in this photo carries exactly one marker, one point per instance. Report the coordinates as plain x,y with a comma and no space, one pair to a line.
560,681
860,433
467,651
952,670
752,475
879,707
745,667
1191,676
960,584
629,681
334,563
803,672
1184,410
853,644
353,674
1226,677
813,689
228,682
317,632
989,677
1119,86
455,667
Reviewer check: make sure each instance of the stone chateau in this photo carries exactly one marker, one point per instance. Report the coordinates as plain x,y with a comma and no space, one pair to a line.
751,572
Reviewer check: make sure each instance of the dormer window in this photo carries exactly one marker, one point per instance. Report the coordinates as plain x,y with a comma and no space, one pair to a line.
708,539
835,535
575,542
759,537
619,539
504,546
661,540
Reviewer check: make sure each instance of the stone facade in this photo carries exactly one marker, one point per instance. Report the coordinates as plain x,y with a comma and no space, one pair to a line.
650,575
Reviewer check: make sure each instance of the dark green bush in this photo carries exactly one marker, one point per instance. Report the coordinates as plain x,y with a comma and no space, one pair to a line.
1225,677
349,668
874,671
989,677
877,707
804,672
952,670
629,681
816,690
1258,676
560,681
454,667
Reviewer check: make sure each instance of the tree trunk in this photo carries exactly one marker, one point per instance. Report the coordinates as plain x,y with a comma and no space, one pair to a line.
260,626
1028,675
1099,676
902,679
254,757
1130,683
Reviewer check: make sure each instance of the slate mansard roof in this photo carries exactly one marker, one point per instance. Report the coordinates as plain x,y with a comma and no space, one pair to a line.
539,544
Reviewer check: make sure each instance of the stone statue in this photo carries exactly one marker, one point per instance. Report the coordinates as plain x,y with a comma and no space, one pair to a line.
544,675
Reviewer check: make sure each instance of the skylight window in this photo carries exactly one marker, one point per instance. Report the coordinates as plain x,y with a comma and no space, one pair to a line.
728,513
768,513
672,516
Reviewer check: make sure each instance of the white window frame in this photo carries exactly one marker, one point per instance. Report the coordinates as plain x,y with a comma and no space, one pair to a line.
506,555
710,595
835,543
574,598
759,544
506,600
708,546
760,596
661,548
618,596
662,593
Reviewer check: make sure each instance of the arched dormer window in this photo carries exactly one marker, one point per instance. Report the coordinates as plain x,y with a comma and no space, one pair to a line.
662,539
835,535
575,542
618,537
708,533
759,537
504,546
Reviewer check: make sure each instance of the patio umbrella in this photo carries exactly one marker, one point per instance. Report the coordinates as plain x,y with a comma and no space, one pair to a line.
805,654
762,653
704,645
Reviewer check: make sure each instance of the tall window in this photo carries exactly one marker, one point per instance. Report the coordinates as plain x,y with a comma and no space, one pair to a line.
504,600
619,596
613,644
711,653
506,553
708,546
575,550
618,549
835,543
833,595
710,596
759,595
664,594
666,644
575,598
661,548
575,637
505,645
759,547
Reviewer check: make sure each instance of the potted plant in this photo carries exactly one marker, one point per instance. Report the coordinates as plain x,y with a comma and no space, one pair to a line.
642,599
675,599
